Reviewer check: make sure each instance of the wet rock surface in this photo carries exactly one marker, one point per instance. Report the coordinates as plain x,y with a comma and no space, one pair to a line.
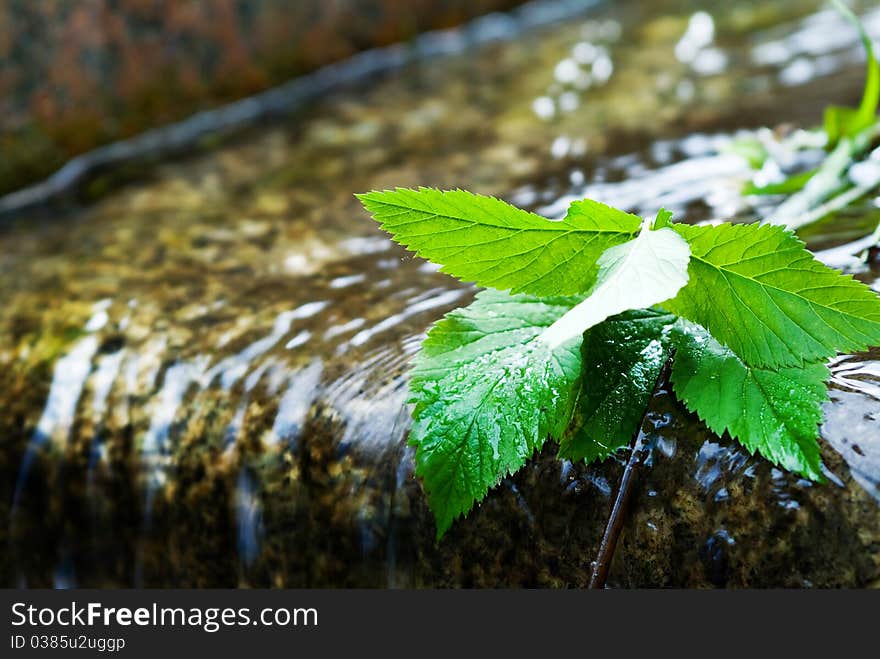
203,374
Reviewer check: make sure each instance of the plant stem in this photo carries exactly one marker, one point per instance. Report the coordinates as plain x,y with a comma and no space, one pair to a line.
834,204
800,208
614,525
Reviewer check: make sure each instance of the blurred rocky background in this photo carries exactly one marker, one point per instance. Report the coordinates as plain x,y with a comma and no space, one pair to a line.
75,75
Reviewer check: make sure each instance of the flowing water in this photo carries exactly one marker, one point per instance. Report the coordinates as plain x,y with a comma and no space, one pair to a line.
203,372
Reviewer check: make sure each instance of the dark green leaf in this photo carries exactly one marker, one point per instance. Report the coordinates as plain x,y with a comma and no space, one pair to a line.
622,359
487,394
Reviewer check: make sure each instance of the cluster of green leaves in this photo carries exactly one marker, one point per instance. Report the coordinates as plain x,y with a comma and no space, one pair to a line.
579,317
848,135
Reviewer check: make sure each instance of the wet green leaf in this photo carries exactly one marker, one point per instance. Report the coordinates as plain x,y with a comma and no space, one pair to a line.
775,412
622,359
488,392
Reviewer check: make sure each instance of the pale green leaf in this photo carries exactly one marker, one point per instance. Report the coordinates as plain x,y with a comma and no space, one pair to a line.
643,272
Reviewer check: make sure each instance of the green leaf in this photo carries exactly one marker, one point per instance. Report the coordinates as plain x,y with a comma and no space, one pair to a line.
845,122
750,148
793,183
663,219
489,242
643,272
760,292
839,122
774,412
487,394
622,360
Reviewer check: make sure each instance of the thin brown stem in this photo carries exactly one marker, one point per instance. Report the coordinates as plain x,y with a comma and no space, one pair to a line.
617,516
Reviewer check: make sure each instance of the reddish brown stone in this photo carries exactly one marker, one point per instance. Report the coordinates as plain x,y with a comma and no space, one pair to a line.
77,75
